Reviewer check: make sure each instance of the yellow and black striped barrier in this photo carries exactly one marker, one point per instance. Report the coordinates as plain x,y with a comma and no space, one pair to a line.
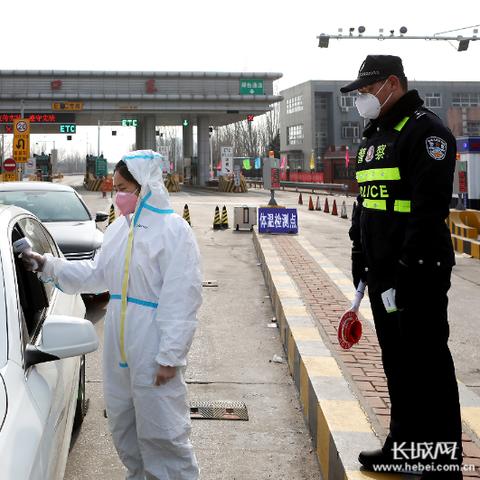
217,225
466,245
224,220
186,214
465,230
172,183
111,215
227,184
93,184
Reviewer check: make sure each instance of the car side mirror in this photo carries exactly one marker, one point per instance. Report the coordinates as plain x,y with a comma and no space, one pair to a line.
101,217
62,337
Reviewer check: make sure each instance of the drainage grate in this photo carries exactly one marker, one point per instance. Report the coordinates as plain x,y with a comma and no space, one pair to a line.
218,410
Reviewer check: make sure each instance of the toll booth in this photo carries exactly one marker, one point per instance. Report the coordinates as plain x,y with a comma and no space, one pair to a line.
43,165
467,172
96,167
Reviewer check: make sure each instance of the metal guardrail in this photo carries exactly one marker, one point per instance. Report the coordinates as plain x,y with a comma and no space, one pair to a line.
255,182
315,186
303,185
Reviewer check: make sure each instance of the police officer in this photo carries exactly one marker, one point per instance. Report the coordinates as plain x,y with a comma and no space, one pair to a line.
402,249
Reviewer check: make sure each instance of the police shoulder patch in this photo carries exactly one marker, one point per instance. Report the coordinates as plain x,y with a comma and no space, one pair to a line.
436,147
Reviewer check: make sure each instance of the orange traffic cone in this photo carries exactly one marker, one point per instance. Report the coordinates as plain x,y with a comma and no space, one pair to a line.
300,200
317,206
310,203
334,208
325,207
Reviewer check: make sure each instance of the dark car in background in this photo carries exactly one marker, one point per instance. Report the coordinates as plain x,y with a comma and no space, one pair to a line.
63,212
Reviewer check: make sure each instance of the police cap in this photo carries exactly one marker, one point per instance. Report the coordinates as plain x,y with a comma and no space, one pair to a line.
376,68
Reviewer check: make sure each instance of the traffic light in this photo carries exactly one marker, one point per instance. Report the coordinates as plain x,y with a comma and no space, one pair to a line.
250,118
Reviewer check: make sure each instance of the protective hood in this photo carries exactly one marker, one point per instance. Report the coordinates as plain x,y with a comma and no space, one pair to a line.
146,168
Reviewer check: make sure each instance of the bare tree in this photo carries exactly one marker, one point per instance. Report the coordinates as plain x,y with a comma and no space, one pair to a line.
250,139
169,137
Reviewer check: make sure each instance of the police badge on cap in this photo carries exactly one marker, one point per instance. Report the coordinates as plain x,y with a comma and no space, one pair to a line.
436,147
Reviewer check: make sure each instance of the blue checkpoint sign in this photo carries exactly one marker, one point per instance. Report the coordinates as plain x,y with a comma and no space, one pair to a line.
277,220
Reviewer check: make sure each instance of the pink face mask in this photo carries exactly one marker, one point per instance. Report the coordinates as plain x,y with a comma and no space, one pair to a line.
126,202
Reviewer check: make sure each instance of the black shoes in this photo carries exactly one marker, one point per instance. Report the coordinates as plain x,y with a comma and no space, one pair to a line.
379,461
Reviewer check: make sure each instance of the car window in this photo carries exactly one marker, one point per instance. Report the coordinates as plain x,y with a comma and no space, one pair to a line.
48,206
34,295
41,243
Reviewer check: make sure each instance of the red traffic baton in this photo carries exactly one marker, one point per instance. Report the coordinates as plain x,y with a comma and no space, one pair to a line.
350,327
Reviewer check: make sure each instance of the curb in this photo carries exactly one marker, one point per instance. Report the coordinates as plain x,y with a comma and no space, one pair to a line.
339,427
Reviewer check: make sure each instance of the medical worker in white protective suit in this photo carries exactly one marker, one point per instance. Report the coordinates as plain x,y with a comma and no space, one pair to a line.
149,263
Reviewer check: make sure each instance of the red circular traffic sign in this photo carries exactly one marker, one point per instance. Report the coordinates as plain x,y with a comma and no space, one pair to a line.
9,165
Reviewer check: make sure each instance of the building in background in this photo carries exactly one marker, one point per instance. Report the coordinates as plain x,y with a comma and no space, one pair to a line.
316,118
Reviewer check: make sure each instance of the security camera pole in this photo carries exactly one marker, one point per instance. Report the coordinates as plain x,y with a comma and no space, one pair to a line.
463,42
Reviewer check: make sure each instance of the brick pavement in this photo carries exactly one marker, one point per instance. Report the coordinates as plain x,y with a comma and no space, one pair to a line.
361,365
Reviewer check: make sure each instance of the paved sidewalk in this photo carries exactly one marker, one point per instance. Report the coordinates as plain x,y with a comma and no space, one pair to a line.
325,292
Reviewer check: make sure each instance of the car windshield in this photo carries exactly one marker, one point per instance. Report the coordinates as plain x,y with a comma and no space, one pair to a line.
48,206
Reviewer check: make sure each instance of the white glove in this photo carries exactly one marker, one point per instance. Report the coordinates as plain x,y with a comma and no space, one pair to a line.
33,261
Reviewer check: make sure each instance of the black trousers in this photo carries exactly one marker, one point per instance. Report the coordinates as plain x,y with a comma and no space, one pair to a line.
417,362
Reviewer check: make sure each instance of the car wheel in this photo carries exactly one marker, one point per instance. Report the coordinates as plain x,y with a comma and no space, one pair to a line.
82,402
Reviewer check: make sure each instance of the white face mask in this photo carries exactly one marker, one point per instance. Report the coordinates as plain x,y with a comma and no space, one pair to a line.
368,105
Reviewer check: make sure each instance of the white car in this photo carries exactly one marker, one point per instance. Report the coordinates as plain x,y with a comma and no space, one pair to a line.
64,213
43,340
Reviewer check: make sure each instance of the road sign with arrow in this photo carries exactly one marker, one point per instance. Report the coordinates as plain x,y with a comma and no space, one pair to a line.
21,140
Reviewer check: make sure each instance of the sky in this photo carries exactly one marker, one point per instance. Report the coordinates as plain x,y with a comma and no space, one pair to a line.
238,36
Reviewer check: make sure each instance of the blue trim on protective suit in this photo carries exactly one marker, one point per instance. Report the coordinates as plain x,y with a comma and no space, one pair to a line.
144,204
140,207
158,210
137,301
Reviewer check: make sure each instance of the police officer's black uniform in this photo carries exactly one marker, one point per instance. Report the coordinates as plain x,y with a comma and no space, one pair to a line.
404,168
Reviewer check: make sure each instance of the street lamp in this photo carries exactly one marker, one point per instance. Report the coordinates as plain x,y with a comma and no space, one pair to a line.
463,42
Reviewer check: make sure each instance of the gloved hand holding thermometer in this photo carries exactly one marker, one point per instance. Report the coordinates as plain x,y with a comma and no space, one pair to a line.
33,261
